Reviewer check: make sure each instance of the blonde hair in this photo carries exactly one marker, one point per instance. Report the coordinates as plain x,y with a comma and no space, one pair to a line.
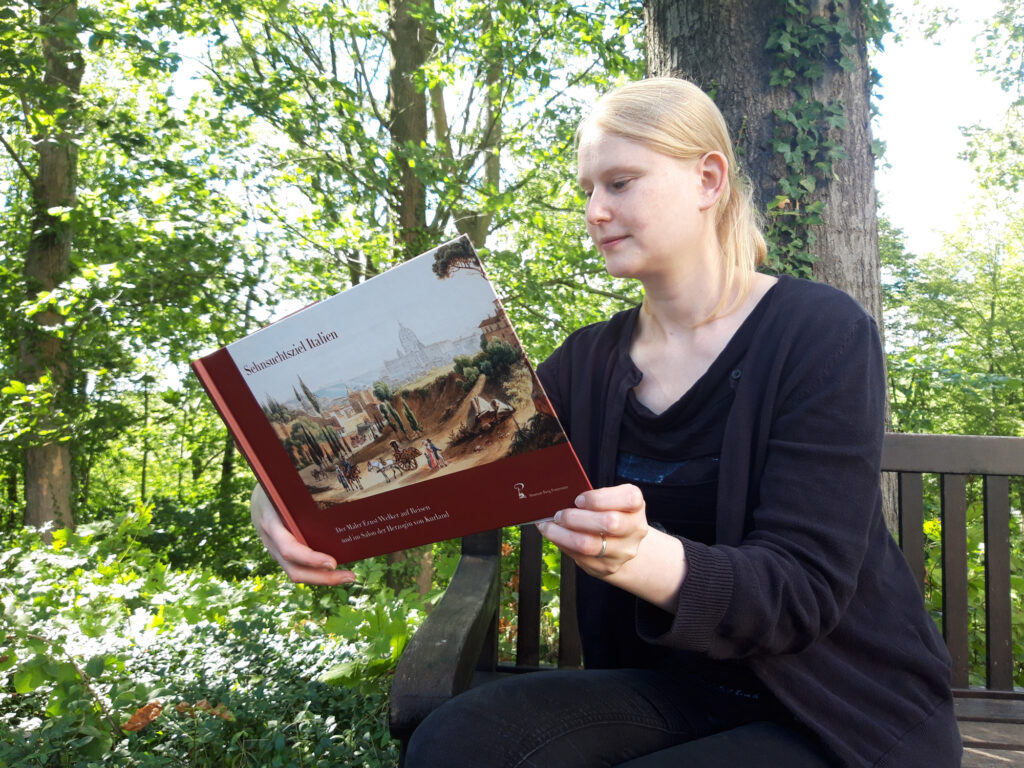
676,118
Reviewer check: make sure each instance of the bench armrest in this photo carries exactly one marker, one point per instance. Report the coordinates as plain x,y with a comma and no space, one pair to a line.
440,659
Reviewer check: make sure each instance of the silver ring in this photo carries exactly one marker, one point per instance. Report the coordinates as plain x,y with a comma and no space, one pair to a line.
604,546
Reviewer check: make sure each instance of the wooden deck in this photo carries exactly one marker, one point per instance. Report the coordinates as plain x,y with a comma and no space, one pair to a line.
992,730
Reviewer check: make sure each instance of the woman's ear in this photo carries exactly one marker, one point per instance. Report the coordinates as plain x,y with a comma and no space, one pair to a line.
714,175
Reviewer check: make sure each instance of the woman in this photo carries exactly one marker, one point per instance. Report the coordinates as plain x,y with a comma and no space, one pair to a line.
741,602
431,461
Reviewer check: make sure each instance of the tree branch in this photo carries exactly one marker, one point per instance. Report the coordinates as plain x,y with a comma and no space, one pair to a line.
366,80
17,160
582,285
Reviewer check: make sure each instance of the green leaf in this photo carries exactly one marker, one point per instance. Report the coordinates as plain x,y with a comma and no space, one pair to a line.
345,622
94,667
28,678
347,673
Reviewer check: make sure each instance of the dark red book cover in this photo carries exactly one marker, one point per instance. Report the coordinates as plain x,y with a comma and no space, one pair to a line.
399,412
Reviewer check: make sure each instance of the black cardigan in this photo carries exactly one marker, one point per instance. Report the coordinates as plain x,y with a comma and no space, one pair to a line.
804,582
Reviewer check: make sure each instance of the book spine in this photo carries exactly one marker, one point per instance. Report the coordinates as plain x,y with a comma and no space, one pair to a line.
212,371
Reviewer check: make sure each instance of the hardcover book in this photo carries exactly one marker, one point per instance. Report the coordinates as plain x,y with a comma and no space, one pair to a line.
399,412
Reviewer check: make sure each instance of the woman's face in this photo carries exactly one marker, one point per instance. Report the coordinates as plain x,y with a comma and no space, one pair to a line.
646,212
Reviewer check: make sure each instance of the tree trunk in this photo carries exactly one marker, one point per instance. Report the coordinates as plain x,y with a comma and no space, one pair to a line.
407,105
407,118
722,46
47,264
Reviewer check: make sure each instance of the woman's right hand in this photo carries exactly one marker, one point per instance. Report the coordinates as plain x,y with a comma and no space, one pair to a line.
301,563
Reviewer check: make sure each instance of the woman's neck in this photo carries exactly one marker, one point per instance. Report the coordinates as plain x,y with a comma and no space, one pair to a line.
685,303
674,343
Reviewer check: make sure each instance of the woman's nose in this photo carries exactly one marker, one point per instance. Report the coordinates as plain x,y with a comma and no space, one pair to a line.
597,208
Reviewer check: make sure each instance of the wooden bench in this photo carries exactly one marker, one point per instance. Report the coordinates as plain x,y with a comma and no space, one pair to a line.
457,646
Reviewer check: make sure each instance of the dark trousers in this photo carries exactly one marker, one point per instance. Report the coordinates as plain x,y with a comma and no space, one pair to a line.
605,718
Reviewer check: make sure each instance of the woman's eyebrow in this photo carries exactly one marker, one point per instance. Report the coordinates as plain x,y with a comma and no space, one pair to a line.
612,170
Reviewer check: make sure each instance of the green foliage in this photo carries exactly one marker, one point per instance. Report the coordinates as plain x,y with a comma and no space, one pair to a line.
410,417
154,273
954,317
382,391
997,154
954,327
805,44
933,585
494,360
1001,48
550,608
233,156
537,433
96,629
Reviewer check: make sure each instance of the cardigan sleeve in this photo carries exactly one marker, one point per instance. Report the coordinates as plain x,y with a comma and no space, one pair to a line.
809,510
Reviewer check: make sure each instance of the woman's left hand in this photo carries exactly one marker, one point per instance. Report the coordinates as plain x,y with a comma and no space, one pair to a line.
607,534
603,531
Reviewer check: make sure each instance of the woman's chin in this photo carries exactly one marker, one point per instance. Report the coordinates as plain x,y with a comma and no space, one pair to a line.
620,267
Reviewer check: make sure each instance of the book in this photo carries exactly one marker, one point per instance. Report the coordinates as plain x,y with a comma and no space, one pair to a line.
399,412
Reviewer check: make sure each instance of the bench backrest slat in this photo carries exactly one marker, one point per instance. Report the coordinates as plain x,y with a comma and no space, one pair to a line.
959,454
570,652
954,576
911,528
528,631
999,624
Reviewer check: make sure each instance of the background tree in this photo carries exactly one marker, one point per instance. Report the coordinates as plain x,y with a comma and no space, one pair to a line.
956,323
311,397
135,267
410,417
41,57
458,121
997,152
957,354
799,110
382,391
1001,50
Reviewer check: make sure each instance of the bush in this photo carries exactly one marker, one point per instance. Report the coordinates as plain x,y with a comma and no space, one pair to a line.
112,658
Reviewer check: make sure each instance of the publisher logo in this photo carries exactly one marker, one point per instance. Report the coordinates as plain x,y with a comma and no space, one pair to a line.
519,490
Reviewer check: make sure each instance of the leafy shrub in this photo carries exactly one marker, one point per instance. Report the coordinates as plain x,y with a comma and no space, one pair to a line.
112,658
208,533
508,629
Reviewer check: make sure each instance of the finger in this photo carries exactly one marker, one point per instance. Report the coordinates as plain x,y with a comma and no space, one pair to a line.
575,543
586,520
297,553
623,498
306,565
300,563
302,575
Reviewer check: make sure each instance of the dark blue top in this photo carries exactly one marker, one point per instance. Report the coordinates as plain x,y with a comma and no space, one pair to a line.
673,456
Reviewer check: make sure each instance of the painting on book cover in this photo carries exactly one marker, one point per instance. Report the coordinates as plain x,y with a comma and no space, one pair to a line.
413,374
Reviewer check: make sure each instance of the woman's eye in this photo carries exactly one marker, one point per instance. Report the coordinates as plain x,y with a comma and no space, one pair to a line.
620,184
